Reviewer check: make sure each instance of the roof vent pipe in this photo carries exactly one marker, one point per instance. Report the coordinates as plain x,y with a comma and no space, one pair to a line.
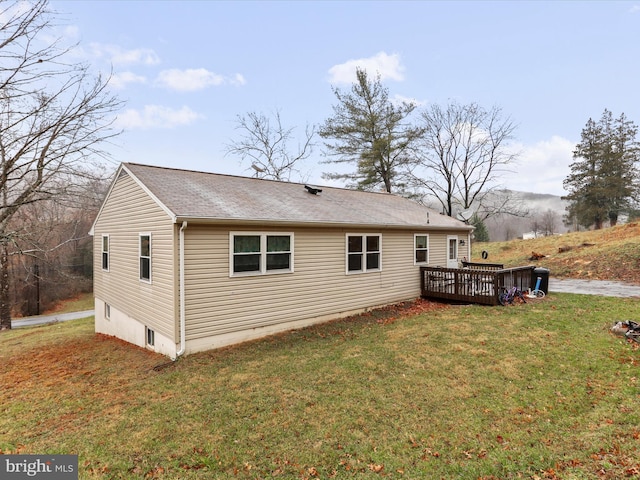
313,190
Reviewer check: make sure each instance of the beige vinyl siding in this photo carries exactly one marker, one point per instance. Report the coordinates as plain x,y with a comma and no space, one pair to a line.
319,286
438,248
127,213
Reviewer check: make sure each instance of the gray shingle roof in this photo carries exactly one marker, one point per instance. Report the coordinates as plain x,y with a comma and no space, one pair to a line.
191,195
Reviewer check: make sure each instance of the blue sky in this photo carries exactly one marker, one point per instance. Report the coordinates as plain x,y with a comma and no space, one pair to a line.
187,69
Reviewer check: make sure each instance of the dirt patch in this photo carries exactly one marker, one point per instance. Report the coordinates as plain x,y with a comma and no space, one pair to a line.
68,365
391,313
73,365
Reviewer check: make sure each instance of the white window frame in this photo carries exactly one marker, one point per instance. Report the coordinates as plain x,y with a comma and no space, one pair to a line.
140,257
263,253
363,253
415,248
105,252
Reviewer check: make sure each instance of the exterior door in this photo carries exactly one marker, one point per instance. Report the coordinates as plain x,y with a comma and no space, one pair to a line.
452,251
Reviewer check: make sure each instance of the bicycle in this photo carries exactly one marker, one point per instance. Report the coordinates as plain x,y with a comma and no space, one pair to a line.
508,296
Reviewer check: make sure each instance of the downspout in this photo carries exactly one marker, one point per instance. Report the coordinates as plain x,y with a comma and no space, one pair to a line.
182,289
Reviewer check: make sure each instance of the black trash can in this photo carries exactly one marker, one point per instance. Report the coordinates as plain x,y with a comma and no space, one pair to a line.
543,274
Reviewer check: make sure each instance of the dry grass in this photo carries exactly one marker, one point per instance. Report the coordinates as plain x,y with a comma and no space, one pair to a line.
82,301
608,254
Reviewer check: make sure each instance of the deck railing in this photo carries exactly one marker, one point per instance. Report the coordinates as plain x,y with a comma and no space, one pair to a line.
472,285
482,266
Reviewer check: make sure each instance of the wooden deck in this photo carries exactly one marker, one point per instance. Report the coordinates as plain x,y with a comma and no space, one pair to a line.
474,284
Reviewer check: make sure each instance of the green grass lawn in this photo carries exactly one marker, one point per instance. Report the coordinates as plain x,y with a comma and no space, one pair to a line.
534,391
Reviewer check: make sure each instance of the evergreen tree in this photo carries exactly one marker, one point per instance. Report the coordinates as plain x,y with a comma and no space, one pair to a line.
369,131
480,234
622,174
604,175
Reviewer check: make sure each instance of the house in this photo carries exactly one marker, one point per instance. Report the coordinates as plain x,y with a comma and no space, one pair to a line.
188,261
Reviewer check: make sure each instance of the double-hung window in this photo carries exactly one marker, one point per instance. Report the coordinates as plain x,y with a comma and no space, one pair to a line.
364,253
145,257
260,253
105,252
421,248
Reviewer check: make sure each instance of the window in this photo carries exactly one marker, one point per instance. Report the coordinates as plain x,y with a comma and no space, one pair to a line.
145,257
278,252
261,253
453,248
105,252
421,247
151,337
363,253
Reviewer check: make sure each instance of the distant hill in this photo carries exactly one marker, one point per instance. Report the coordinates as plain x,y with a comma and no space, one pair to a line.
539,207
543,201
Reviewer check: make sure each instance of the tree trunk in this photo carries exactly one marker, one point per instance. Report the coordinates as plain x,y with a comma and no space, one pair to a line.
5,302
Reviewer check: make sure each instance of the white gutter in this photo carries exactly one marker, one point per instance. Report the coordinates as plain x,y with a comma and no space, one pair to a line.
182,300
289,223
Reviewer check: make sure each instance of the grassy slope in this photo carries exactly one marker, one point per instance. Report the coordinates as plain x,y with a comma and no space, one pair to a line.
608,254
427,391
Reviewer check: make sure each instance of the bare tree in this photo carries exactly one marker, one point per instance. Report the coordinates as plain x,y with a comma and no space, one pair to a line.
463,150
51,259
54,116
545,223
549,221
266,146
536,227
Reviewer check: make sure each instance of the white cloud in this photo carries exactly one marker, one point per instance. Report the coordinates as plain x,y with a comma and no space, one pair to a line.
156,116
121,80
139,56
634,9
541,167
195,79
238,79
120,56
71,32
399,99
388,66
